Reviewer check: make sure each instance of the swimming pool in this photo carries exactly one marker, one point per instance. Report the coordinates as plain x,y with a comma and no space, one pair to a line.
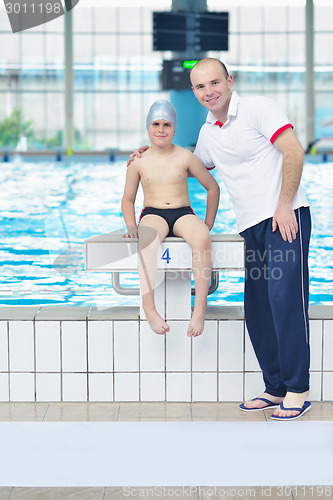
47,210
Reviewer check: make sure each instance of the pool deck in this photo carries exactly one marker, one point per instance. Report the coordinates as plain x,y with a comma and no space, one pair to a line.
82,354
151,412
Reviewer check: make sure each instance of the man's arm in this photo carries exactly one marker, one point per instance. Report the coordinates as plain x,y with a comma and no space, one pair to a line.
128,199
198,171
293,157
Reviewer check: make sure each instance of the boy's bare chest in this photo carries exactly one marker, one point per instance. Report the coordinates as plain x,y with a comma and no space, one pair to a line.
163,173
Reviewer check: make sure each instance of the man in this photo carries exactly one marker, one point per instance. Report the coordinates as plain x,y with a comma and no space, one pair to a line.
260,160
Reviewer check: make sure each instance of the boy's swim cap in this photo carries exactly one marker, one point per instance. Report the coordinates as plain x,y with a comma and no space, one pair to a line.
162,110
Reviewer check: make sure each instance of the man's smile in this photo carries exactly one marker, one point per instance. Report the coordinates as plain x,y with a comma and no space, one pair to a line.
212,99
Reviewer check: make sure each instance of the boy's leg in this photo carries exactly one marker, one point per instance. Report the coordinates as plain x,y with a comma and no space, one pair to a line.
152,231
196,234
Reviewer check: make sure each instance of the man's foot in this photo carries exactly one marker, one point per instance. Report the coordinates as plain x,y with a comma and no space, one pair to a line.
291,400
260,404
196,326
156,323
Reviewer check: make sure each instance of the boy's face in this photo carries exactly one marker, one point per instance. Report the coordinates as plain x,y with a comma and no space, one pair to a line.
211,86
161,133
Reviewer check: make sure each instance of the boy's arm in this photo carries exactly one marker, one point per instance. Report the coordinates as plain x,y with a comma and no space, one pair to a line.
198,171
128,199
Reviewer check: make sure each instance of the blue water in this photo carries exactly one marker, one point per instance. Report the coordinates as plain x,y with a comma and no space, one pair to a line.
47,210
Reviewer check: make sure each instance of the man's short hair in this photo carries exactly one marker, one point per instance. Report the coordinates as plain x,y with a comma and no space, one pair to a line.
202,62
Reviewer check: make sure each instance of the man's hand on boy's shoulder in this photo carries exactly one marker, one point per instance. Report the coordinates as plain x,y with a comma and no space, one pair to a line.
137,153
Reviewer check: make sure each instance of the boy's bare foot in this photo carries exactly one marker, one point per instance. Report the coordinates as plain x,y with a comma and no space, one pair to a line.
156,323
196,325
259,404
292,400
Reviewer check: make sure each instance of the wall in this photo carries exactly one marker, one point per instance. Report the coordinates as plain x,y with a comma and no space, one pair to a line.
82,354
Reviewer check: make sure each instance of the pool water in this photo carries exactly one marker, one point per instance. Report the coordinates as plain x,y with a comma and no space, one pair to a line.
47,210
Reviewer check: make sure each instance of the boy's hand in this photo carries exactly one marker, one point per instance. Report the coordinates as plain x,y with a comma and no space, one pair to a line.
132,232
137,153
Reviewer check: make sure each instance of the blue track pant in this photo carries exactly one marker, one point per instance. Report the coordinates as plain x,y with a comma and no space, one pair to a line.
276,303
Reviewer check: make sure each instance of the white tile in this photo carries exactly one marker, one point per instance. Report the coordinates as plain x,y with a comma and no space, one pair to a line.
152,386
126,387
152,349
21,346
74,355
204,349
3,346
251,362
47,346
126,346
231,387
315,386
178,295
178,347
48,387
231,346
328,345
22,387
230,254
159,296
4,387
316,344
328,386
100,387
204,387
254,385
100,346
178,387
74,387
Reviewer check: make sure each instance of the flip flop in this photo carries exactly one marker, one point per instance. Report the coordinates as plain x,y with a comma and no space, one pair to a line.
270,404
304,409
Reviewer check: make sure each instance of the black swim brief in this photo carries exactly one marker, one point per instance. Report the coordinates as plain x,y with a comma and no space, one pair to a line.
170,215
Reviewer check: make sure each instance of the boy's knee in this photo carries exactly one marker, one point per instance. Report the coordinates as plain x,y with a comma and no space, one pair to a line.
202,241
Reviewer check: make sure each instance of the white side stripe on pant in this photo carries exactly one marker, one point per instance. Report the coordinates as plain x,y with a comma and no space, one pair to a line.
302,275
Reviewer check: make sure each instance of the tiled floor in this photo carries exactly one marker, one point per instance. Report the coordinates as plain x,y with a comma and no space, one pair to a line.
125,412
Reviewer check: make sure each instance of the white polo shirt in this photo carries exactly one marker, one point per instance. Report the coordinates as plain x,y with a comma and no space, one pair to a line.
243,152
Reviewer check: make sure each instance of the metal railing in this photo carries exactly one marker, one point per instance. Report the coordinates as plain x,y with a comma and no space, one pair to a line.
121,290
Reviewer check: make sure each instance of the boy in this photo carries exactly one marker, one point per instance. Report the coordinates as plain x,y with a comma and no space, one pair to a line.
163,174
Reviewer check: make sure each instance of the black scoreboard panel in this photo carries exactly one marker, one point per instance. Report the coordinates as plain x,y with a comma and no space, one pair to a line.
213,31
199,31
175,76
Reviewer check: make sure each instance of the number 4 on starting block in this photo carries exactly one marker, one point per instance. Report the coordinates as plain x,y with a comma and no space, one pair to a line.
166,256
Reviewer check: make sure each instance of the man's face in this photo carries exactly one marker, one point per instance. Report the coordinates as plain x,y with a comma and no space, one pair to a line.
211,86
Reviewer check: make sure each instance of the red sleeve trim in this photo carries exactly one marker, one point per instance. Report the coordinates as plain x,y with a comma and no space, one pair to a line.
210,168
278,132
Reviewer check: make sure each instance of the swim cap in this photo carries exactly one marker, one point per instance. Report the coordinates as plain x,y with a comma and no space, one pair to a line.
162,110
